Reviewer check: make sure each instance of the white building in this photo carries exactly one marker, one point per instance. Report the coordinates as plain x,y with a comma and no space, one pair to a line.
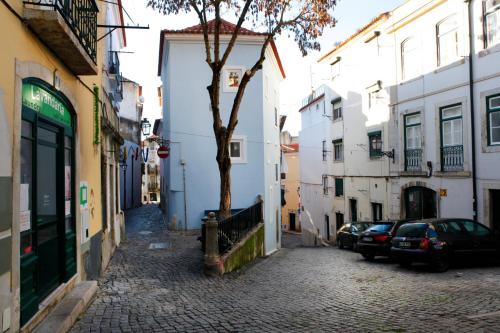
190,173
418,58
151,174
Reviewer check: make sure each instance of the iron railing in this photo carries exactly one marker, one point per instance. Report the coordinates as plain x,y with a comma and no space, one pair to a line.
232,229
452,158
413,159
81,17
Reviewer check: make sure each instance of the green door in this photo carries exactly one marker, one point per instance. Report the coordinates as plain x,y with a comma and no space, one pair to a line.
48,242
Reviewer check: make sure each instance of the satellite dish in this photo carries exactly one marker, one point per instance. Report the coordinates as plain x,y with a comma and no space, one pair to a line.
141,99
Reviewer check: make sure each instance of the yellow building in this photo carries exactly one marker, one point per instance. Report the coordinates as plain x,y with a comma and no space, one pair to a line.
290,183
55,111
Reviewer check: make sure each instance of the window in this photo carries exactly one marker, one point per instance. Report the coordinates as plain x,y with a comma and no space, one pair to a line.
476,229
338,148
237,149
447,40
493,119
339,187
413,142
337,109
375,142
376,211
324,150
492,22
353,205
335,68
410,59
325,184
451,138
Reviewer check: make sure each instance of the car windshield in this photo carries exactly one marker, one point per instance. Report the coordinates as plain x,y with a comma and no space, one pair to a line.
360,226
416,230
380,227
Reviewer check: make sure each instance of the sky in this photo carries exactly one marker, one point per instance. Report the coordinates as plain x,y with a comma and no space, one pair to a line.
141,65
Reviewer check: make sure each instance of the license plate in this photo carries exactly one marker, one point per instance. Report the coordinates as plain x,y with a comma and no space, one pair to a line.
367,239
404,244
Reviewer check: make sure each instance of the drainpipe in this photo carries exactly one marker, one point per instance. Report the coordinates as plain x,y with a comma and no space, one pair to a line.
472,116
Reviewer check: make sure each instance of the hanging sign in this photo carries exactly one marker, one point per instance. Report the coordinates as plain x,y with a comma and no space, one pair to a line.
163,152
44,102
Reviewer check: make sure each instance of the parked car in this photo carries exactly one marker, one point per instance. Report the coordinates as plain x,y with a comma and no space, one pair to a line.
440,241
377,239
347,236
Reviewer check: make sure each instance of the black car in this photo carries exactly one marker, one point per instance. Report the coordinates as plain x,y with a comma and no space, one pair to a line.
347,236
440,241
377,239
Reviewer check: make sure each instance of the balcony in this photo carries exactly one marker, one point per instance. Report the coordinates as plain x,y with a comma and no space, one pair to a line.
452,158
413,160
69,29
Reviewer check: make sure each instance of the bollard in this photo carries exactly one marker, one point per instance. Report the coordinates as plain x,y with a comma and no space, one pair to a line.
212,258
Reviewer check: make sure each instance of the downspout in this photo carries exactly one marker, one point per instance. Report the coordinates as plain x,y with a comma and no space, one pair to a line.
472,119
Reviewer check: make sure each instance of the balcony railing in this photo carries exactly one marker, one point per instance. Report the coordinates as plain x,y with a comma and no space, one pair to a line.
114,63
80,17
452,158
413,160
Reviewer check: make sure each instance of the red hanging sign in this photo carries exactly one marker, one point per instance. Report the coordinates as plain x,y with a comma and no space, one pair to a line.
163,152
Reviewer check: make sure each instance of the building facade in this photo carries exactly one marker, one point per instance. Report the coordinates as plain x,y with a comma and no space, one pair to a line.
52,110
435,95
151,176
187,121
290,182
132,161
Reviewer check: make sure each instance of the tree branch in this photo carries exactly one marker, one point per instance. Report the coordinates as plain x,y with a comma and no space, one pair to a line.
236,31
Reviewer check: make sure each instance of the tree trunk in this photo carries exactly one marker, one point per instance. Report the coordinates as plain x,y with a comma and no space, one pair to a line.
224,163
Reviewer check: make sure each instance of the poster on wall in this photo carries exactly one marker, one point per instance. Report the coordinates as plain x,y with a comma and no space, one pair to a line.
25,197
25,220
84,186
67,181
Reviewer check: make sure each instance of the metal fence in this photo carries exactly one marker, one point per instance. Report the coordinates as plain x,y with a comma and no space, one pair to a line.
452,158
232,229
81,17
413,160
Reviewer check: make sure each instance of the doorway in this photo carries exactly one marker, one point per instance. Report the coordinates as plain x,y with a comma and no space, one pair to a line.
339,220
420,203
495,210
327,227
291,221
48,236
353,204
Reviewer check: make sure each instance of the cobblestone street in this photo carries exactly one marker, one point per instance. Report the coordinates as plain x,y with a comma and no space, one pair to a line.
296,289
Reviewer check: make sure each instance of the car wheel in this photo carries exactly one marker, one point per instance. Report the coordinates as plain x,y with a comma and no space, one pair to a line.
340,244
405,263
368,255
440,263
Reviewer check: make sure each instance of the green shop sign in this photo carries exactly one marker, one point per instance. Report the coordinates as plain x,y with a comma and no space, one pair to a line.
45,103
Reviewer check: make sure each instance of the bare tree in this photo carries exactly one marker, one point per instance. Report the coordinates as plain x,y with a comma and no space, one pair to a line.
304,19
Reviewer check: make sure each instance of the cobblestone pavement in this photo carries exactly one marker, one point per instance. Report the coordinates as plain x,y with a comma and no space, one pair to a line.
295,290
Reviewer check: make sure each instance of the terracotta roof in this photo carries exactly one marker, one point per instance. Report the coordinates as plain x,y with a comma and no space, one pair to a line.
120,6
226,28
381,17
312,102
290,148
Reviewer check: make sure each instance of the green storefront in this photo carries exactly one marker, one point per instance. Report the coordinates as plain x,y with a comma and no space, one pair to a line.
47,205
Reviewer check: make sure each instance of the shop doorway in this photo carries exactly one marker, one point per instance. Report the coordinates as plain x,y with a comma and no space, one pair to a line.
48,238
420,203
495,210
291,221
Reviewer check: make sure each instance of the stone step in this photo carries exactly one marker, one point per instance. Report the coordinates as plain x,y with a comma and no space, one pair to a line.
65,314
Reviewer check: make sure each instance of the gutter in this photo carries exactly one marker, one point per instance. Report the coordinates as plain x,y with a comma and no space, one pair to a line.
472,116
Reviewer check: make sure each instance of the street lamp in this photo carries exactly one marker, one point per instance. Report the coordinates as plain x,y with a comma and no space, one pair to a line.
145,127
